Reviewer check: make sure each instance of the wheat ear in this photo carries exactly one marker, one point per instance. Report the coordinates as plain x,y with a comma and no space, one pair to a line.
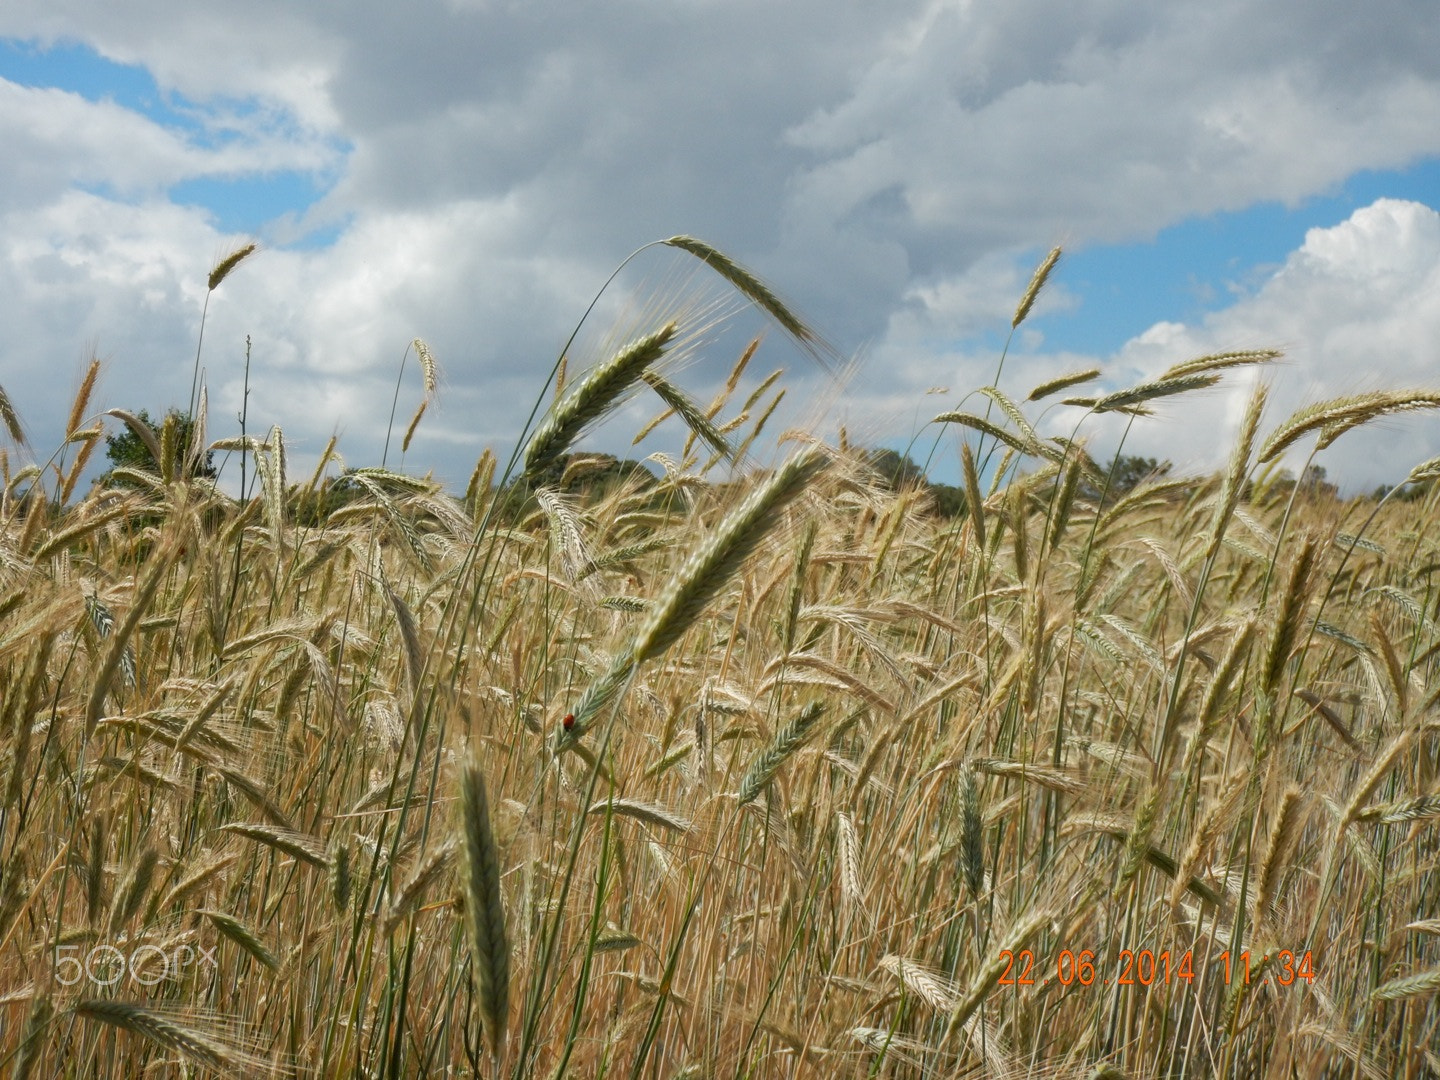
1220,361
1282,837
766,764
133,889
243,936
298,845
1287,623
82,398
747,284
1037,282
1063,382
1239,468
1150,391
222,268
424,876
409,638
1338,415
924,982
163,1031
987,427
120,638
32,1041
1424,982
11,419
700,425
992,969
1422,806
974,502
699,578
592,397
649,813
484,909
972,847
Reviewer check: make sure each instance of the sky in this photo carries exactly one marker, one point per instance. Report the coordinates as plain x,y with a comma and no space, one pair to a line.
1234,175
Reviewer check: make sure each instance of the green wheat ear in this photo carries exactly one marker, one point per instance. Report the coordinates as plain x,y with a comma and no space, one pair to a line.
592,397
699,578
789,739
484,909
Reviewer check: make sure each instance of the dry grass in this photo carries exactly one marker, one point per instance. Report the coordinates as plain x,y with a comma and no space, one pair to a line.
855,790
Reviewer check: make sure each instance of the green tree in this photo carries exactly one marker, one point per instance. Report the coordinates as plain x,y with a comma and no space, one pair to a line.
1125,475
129,450
897,470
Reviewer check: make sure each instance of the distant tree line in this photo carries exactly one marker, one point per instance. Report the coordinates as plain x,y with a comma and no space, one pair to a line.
898,471
591,476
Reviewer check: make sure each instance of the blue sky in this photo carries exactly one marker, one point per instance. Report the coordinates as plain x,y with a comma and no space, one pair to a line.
1233,178
1201,264
246,203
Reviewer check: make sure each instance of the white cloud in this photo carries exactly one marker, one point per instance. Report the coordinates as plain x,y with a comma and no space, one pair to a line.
1355,308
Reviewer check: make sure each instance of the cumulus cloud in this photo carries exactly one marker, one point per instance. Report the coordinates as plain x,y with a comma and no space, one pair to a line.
1355,308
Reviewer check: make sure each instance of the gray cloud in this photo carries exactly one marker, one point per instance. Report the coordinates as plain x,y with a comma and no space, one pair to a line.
886,167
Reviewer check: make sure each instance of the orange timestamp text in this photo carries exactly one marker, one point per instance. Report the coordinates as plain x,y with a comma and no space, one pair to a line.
1147,967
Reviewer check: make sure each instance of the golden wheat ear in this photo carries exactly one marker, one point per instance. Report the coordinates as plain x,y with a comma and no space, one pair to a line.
1037,282
751,286
10,418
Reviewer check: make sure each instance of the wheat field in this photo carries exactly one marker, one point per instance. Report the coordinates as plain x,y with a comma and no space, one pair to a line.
752,770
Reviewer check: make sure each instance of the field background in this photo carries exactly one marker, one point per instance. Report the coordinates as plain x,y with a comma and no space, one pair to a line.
808,771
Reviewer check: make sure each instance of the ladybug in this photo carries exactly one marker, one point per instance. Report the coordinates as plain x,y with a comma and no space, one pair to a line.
569,722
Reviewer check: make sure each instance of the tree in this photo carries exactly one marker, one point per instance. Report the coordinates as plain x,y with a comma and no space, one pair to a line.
1125,474
896,470
129,450
1313,482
